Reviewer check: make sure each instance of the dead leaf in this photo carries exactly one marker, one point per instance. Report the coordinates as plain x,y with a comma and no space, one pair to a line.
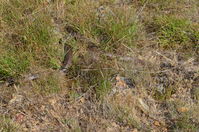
82,100
157,123
183,109
135,130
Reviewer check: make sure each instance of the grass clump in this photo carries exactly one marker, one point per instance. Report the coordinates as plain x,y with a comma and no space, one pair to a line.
104,86
27,38
96,80
11,65
119,26
184,124
105,25
7,125
176,33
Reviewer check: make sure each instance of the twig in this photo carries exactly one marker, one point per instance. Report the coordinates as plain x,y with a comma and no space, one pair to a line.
165,57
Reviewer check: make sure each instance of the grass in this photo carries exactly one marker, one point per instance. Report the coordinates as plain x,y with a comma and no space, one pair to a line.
96,80
11,64
104,87
123,115
165,95
110,26
29,39
176,33
185,118
47,84
119,26
125,38
36,40
184,124
7,125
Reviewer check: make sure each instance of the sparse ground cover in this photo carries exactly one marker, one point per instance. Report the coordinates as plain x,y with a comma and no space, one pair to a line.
135,65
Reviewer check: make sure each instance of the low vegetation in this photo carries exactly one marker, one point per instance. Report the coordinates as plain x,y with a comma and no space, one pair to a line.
135,65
